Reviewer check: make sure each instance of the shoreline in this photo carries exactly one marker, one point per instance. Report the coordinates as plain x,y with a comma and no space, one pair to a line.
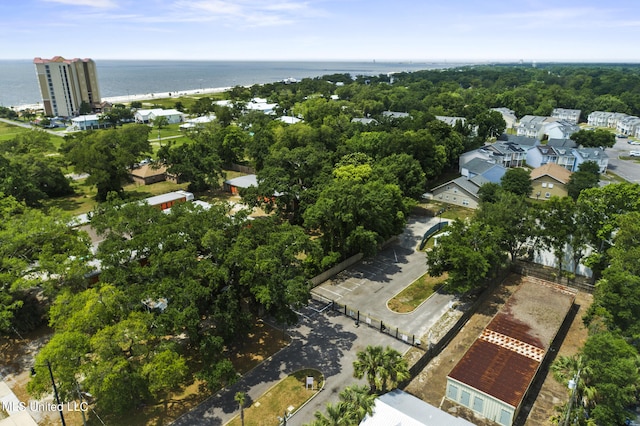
139,97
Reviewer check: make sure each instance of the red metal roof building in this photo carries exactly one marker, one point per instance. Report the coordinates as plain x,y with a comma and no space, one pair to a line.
494,375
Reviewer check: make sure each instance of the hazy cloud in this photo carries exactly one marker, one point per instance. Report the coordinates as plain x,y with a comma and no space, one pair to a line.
103,4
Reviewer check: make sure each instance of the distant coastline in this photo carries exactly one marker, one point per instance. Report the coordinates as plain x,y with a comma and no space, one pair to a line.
128,80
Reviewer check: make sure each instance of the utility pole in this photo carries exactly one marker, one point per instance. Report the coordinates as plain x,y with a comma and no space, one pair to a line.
55,392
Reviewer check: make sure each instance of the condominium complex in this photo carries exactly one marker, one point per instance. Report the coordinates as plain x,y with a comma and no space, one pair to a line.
66,83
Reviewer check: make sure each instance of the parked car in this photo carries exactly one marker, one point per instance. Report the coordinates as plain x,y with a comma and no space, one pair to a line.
633,142
634,153
621,136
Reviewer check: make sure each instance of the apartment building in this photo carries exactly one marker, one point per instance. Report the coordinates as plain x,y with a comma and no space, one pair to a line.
66,83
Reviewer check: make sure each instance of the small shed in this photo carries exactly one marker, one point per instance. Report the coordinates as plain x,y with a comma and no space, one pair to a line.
233,185
148,174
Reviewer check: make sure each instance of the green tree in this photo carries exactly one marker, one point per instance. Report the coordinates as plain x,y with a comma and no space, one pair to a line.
587,176
117,115
107,155
490,124
239,398
614,366
511,219
383,368
468,253
85,108
518,181
197,163
598,138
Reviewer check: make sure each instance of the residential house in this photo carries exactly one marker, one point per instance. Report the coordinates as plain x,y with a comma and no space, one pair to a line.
287,119
532,126
508,154
364,120
261,104
549,180
86,122
463,191
562,143
451,121
148,115
524,141
400,408
560,129
508,115
570,115
599,118
394,115
615,118
628,125
147,174
544,154
197,122
596,155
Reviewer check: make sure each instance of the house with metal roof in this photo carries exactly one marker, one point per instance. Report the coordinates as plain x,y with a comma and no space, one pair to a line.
400,408
495,374
235,184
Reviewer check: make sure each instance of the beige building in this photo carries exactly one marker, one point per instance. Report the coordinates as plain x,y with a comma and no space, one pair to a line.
549,180
66,83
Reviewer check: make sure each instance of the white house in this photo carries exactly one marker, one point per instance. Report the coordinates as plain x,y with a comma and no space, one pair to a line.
197,122
628,125
570,115
532,126
148,115
86,122
560,129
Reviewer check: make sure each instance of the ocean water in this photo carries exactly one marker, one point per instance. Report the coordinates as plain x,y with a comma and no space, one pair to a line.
19,85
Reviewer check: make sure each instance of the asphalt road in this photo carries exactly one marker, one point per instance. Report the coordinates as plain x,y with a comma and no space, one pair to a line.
629,169
325,341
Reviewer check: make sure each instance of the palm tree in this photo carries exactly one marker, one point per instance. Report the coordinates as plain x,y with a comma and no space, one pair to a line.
335,416
395,369
369,363
382,367
240,397
358,402
566,368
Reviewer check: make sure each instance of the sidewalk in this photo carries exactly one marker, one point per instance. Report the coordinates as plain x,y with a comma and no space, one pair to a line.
11,405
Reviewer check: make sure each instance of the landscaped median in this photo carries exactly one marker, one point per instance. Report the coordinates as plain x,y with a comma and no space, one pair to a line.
415,293
287,396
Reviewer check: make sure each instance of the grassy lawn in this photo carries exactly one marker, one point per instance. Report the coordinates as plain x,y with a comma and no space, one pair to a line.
451,210
8,131
289,392
415,293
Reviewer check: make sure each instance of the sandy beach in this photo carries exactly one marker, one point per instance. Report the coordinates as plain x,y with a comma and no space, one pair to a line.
125,99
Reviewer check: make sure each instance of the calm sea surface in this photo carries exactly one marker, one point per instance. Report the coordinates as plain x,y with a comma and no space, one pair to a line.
19,85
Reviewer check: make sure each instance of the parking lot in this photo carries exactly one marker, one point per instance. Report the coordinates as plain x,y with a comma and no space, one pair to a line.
368,285
628,169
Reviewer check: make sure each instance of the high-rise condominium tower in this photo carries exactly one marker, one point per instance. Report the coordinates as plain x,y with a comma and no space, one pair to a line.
66,83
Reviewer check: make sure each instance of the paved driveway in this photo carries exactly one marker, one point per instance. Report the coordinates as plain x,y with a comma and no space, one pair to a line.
369,284
325,341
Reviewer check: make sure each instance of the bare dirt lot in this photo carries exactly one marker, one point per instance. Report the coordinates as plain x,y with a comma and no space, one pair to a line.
430,384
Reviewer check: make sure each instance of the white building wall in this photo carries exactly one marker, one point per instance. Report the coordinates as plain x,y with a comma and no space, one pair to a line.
481,403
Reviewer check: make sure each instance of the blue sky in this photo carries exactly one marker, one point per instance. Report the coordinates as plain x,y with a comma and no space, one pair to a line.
417,30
